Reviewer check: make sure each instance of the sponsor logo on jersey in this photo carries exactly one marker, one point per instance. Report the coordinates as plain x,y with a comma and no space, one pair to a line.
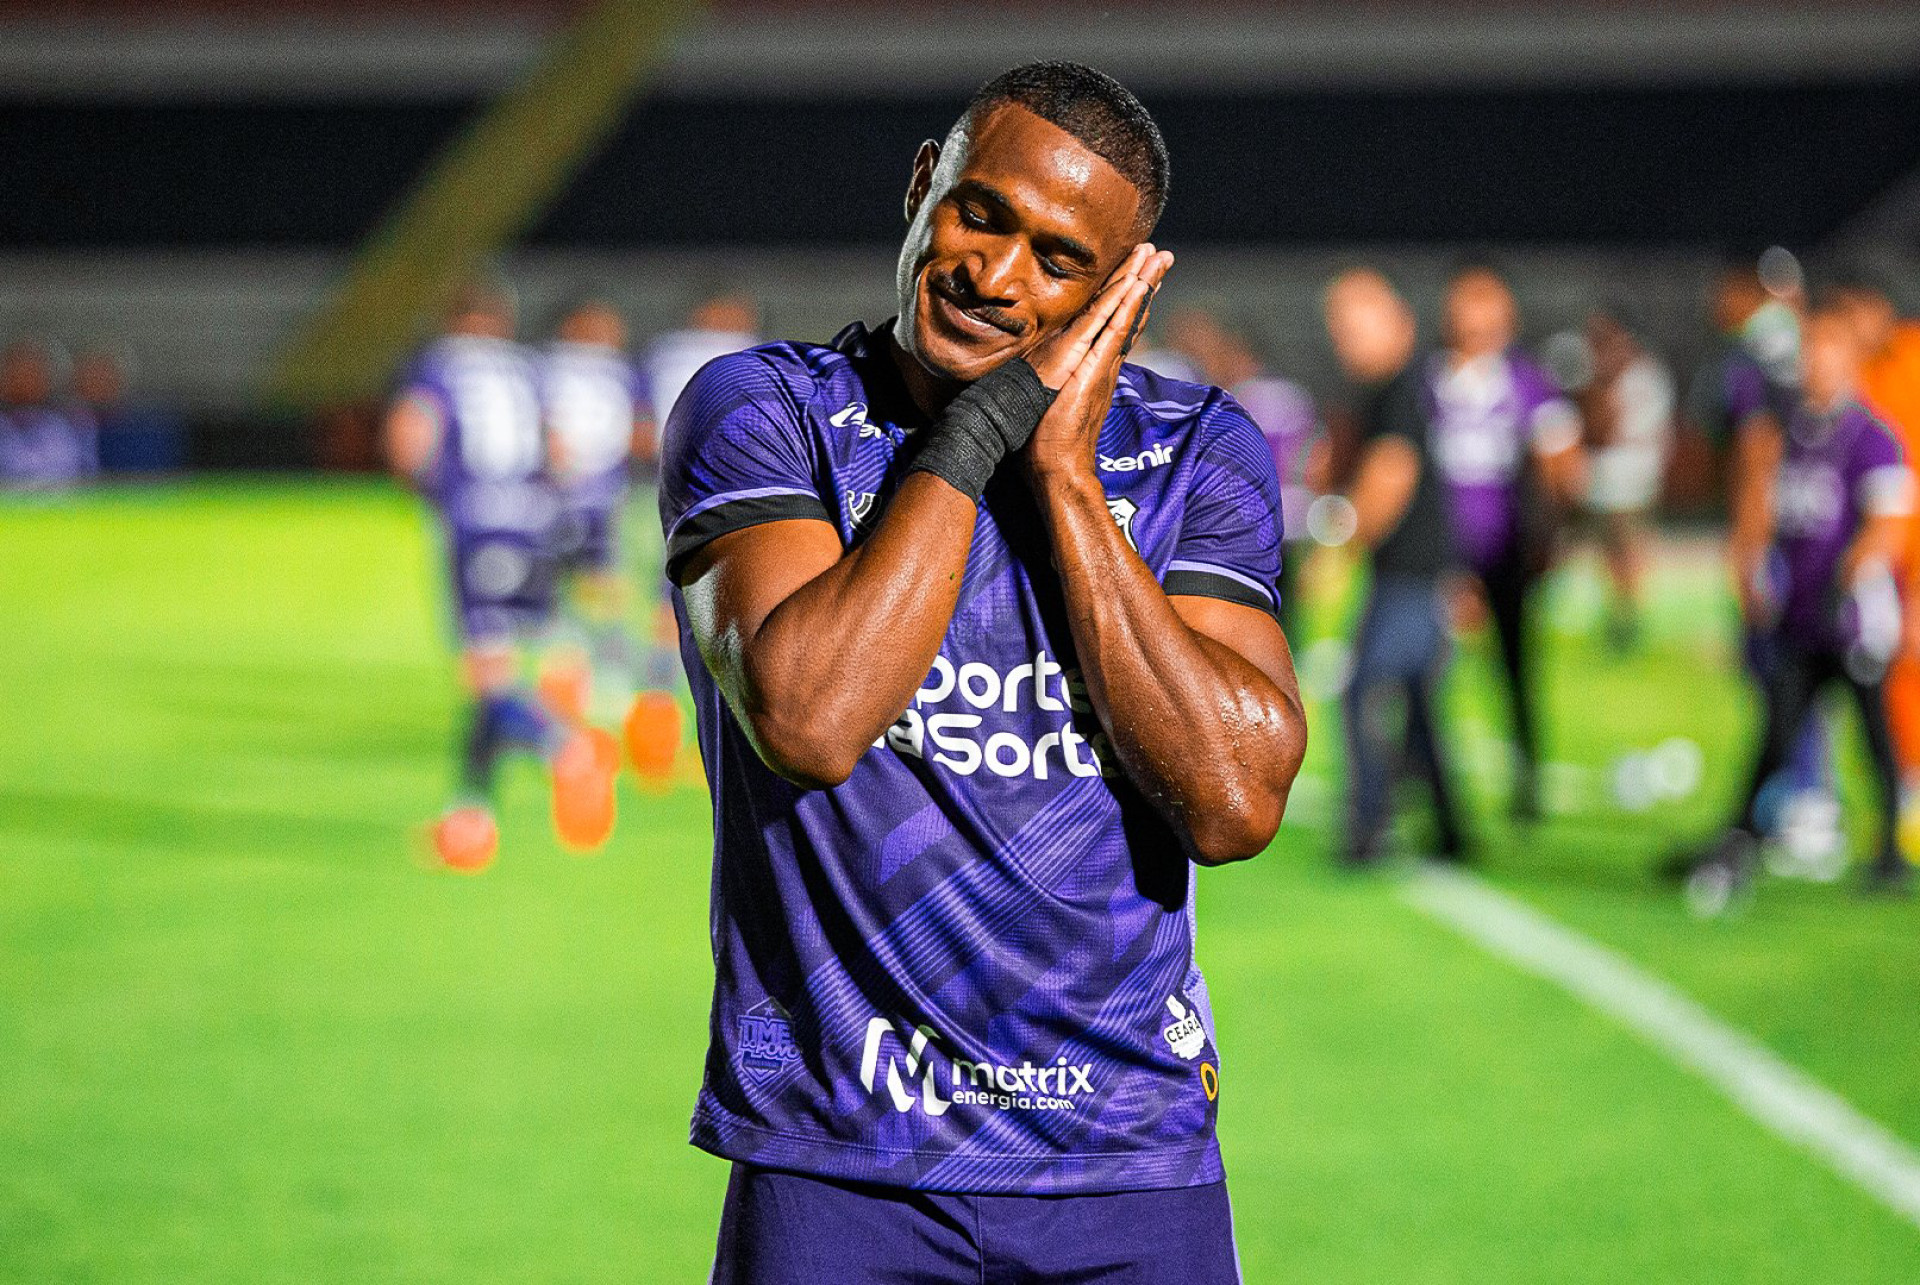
942,726
1124,511
1809,497
1152,457
910,1051
999,1086
766,1040
1186,1037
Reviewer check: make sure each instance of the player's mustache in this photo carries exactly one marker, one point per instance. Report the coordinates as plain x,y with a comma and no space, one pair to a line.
962,297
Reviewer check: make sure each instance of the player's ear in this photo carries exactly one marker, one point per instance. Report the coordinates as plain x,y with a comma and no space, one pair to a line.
925,161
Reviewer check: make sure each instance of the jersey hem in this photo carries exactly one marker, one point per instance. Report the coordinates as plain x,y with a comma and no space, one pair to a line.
1086,1174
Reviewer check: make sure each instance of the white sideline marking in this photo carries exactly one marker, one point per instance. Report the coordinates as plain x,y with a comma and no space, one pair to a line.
1780,1096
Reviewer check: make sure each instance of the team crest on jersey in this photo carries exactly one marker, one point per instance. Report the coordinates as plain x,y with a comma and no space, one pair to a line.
766,1039
1124,511
1185,1036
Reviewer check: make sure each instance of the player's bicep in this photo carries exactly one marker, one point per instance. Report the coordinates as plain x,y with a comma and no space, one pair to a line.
1251,634
732,583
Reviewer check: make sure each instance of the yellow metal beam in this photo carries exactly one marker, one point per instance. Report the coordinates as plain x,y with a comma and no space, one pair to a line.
480,195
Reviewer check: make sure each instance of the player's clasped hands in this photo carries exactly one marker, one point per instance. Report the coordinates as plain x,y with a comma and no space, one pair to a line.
1082,362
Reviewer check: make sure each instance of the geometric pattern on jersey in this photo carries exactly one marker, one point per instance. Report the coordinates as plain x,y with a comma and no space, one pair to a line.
970,967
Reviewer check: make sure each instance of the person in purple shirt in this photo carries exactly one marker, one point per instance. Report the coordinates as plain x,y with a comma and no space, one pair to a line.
45,444
465,428
1506,444
979,622
1825,604
1742,399
1284,412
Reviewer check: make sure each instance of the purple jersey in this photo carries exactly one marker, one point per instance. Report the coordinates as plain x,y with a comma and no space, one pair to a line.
1284,413
1837,470
1488,413
970,967
488,478
47,448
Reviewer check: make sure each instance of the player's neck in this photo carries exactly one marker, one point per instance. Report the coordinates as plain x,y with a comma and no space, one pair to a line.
930,393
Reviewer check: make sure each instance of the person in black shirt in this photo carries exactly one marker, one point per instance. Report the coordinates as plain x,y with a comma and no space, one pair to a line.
1400,516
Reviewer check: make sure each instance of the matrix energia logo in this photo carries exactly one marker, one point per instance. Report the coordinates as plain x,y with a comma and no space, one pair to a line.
916,1063
1027,1086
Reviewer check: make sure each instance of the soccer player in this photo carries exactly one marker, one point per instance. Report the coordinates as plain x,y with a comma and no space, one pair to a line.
465,428
1507,445
979,622
135,434
1890,387
1401,518
598,430
1283,410
1743,397
1627,410
1826,606
44,445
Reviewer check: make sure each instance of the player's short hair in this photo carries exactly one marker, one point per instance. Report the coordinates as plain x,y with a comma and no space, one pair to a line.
1094,108
1478,263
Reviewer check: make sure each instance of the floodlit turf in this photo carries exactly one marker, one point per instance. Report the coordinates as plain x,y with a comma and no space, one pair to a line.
246,1037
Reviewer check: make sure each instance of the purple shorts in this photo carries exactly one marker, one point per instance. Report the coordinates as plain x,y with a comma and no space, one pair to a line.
586,538
790,1229
502,585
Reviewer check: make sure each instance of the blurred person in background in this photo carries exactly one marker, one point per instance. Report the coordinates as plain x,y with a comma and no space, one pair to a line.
47,443
1172,361
1825,606
1741,399
1507,445
1401,518
598,432
135,436
465,428
1285,414
1626,408
725,323
1890,387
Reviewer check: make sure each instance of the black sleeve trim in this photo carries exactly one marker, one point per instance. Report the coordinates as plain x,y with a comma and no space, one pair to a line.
737,515
1186,583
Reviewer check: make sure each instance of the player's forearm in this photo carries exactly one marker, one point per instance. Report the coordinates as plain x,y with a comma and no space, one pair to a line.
1756,453
1211,741
834,664
1880,541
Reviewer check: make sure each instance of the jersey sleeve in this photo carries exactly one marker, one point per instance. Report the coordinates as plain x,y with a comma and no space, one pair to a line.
1230,537
1883,482
735,454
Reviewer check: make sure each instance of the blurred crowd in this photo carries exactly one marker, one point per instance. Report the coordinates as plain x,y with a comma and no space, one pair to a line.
1459,467
67,418
1464,464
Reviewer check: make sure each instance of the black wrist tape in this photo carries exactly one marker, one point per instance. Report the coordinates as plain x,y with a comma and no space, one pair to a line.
995,415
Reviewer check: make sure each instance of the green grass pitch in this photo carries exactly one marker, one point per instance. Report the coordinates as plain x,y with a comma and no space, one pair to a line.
246,1037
